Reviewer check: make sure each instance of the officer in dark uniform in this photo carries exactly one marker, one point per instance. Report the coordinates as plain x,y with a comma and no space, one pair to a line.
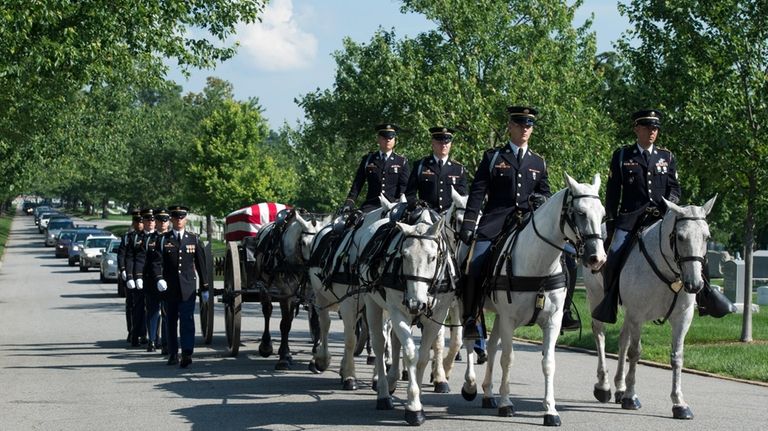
507,177
135,260
162,225
384,171
433,177
177,255
640,175
150,218
126,242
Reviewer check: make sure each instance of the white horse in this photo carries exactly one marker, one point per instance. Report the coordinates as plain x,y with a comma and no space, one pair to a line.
668,256
284,283
342,297
421,290
535,290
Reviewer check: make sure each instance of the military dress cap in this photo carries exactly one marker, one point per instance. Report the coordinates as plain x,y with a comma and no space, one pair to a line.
136,215
647,117
161,214
147,214
178,210
441,133
524,115
387,130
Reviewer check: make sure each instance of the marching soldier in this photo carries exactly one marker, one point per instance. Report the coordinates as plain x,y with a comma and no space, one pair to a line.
135,259
640,175
126,242
508,177
151,296
177,255
433,177
162,225
384,171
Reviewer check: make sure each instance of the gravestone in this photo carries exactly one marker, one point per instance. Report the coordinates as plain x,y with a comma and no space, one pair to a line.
715,261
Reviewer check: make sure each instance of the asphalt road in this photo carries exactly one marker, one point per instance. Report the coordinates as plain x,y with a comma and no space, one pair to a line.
65,365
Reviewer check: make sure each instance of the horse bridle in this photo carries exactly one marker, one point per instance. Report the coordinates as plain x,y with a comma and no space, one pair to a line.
673,246
441,257
566,217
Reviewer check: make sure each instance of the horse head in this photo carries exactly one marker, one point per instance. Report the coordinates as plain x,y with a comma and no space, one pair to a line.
583,216
423,253
298,236
688,233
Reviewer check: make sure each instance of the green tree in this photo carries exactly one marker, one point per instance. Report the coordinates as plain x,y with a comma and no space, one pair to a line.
481,57
705,63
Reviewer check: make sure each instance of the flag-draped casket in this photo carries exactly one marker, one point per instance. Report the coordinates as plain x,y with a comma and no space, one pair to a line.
247,221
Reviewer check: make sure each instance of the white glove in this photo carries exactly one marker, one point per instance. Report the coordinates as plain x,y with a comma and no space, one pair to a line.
162,285
139,284
124,276
130,284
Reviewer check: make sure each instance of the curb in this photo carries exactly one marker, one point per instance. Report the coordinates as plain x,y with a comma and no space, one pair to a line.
649,363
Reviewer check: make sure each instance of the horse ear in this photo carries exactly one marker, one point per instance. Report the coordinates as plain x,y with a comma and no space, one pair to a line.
569,181
596,182
710,203
301,220
405,228
674,207
384,201
403,199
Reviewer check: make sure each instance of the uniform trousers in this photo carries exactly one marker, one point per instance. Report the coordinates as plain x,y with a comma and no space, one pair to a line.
138,325
181,325
152,304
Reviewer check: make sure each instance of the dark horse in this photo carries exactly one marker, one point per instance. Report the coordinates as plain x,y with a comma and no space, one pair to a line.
280,254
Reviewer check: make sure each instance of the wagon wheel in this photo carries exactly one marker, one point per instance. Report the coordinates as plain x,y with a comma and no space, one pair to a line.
206,298
232,298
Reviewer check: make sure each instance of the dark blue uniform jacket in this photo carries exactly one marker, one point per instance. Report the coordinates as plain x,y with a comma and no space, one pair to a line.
433,184
388,176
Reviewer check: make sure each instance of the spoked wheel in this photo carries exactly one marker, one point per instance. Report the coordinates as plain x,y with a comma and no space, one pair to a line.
206,299
233,300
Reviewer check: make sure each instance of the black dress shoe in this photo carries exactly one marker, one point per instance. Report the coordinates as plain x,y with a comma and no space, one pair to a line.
185,361
173,359
135,342
151,347
482,357
143,340
569,323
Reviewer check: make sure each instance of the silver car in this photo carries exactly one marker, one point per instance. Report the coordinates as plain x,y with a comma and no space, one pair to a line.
93,248
108,265
56,225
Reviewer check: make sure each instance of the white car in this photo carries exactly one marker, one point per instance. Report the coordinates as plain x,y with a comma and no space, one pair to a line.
93,248
109,262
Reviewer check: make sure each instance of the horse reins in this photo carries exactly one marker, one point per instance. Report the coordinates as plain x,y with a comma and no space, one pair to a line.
566,217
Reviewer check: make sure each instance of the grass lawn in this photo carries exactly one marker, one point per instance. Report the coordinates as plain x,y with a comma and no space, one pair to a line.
97,216
711,345
5,228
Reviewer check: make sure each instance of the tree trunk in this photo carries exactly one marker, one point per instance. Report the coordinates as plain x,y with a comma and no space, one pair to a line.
209,227
105,207
749,238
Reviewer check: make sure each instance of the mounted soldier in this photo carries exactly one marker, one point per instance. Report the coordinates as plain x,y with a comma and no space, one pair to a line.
640,175
508,177
433,177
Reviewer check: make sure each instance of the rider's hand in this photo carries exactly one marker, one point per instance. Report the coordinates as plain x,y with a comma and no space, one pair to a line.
466,236
537,200
349,206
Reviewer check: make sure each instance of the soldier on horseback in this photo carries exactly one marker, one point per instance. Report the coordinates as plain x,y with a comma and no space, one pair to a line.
640,175
508,177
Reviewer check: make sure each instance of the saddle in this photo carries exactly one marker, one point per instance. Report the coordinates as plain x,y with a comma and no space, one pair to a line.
326,250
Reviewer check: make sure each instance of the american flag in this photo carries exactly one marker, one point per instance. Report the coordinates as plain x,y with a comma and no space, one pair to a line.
247,221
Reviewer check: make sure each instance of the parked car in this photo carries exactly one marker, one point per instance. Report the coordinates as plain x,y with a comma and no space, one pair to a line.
73,252
63,241
108,266
92,249
45,218
55,225
39,210
28,207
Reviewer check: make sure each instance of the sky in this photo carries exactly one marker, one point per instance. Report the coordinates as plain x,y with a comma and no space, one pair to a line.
289,53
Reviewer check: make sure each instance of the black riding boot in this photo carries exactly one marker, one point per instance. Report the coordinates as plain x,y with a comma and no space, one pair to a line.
471,308
711,302
569,322
607,309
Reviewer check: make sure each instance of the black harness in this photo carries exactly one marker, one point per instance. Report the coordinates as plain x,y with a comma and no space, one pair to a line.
678,261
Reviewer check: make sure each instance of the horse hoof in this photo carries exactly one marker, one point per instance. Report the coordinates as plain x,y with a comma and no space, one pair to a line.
313,368
682,412
618,396
489,403
282,365
266,350
442,388
371,360
350,385
404,375
507,411
602,395
630,403
415,418
375,385
469,396
552,421
384,404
